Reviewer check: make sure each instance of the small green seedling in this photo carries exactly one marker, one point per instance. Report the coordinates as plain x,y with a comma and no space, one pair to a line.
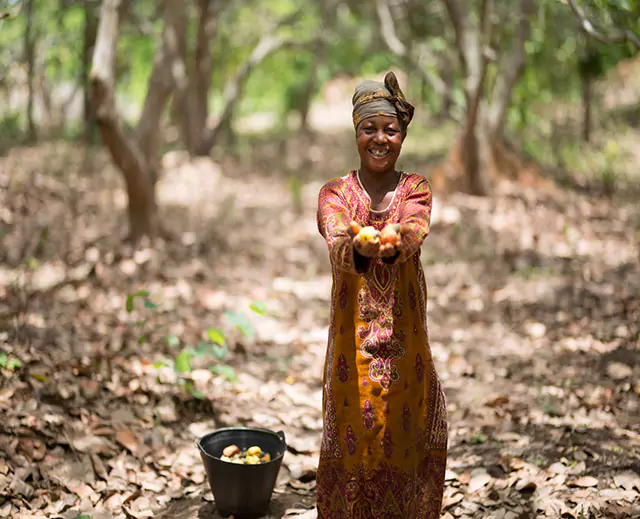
214,347
10,363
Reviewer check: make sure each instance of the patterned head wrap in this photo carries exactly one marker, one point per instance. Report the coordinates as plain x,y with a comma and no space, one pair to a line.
372,98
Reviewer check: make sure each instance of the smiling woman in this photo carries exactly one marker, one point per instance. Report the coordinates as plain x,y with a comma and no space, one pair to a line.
379,142
384,441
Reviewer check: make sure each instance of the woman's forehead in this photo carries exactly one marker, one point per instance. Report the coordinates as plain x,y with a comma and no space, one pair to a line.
380,120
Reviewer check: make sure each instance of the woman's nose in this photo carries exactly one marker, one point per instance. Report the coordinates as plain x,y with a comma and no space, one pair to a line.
379,136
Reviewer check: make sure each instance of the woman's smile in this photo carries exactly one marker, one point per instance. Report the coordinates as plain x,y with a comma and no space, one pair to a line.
379,141
379,153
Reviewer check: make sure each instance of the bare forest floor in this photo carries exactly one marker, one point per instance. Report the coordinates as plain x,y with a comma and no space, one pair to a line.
534,305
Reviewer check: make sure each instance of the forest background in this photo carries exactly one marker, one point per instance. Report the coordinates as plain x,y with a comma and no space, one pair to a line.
161,274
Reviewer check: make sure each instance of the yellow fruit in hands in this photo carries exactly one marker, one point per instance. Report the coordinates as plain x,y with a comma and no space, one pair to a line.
266,458
390,234
369,234
254,451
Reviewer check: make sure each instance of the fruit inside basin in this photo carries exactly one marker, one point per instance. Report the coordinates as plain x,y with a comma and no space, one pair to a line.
242,490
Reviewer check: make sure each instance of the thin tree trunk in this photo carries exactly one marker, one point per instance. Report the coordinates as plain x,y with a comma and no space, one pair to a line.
175,42
585,80
510,73
125,154
161,84
469,39
309,91
90,31
203,68
30,53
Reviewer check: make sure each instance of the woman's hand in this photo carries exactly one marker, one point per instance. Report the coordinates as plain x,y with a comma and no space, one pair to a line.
366,240
390,239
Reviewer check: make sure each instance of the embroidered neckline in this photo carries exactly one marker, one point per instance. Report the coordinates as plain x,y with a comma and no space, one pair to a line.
368,197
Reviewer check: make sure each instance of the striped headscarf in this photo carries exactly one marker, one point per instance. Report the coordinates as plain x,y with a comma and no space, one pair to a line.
372,98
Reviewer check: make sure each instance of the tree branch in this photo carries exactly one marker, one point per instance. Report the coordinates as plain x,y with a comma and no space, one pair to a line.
208,12
511,69
458,21
627,34
395,45
11,14
160,85
267,45
388,29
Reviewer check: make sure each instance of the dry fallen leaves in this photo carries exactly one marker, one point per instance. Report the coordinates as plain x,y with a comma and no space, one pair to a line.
584,482
90,418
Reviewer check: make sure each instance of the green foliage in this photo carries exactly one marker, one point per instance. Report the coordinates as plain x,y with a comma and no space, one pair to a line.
214,349
9,363
259,307
613,17
478,439
132,297
216,335
11,124
182,364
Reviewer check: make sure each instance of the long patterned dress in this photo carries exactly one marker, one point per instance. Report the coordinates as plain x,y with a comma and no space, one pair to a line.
384,442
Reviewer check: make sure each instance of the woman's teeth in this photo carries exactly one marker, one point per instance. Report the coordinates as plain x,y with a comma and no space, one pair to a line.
378,153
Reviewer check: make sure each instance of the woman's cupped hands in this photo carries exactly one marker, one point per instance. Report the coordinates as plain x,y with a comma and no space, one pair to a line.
371,243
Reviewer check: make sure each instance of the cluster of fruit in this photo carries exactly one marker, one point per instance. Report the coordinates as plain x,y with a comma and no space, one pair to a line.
390,234
251,456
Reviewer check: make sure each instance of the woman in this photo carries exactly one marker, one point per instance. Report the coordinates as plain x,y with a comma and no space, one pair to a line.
384,442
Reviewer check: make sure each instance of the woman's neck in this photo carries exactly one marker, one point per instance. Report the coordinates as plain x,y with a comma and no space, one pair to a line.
379,182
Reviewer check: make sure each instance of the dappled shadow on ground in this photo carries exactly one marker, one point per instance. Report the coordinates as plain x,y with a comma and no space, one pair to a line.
533,321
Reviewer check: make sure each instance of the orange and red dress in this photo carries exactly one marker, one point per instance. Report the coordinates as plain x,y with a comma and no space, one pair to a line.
384,441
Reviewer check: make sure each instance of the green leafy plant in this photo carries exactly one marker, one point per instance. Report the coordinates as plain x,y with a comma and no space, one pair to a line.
214,348
131,298
10,363
478,439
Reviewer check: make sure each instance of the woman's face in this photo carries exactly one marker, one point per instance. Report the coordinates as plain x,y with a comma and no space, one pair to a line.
379,142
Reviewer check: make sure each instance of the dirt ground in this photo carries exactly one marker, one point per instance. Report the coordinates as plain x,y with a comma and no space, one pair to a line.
534,305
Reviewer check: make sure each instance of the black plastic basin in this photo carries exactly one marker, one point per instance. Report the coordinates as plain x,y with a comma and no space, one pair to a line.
242,490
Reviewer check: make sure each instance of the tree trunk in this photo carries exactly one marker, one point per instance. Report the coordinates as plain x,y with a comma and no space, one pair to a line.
585,81
29,52
90,31
309,91
203,69
476,157
125,154
513,65
160,85
469,41
176,22
484,123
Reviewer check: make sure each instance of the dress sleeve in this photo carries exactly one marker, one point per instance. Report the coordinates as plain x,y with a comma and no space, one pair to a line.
415,217
333,220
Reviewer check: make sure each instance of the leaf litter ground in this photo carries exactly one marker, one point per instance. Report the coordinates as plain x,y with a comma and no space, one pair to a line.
534,304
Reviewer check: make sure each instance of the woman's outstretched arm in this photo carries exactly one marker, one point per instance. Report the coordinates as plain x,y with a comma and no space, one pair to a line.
415,219
334,217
